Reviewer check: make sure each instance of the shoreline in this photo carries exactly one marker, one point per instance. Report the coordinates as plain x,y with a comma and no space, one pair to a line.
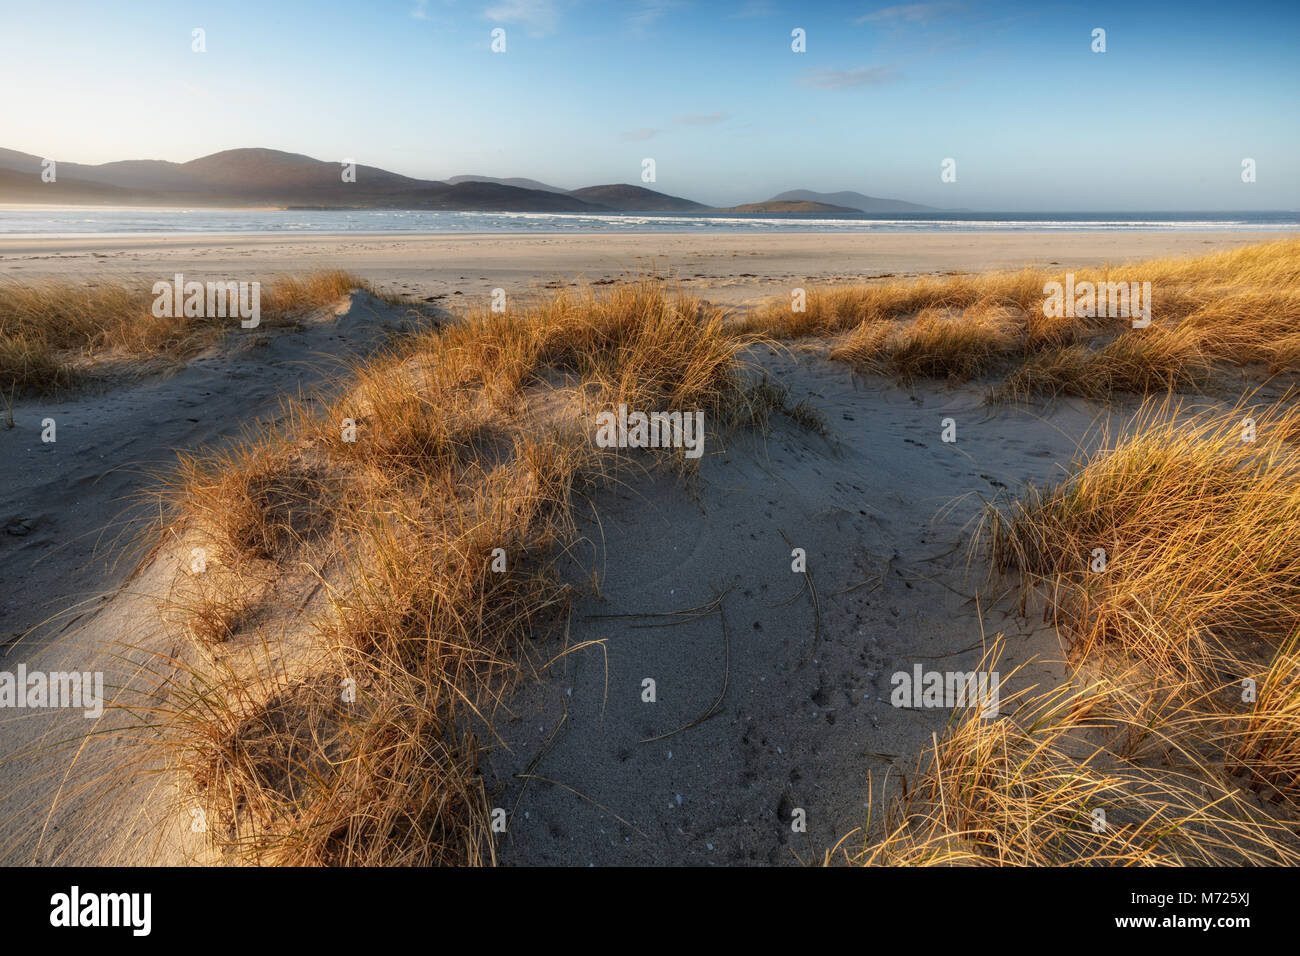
271,235
1254,235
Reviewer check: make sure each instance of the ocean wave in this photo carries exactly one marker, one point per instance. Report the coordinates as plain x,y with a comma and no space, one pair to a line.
72,222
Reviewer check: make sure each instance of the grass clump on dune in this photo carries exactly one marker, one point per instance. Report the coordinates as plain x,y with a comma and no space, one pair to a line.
1169,561
1209,315
1200,522
1043,786
55,332
414,527
932,346
829,311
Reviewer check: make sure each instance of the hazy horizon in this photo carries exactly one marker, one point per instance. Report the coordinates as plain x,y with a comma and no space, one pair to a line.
884,94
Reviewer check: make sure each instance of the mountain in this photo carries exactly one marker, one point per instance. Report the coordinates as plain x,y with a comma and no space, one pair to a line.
623,198
263,171
853,201
519,181
498,198
798,206
20,162
253,173
26,187
271,177
241,177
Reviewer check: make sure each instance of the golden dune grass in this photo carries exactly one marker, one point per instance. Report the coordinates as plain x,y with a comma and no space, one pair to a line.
470,439
1227,310
1197,601
1200,521
55,332
1042,786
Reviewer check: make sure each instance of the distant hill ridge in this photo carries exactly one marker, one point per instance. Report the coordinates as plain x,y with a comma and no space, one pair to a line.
521,182
852,200
258,176
797,207
635,199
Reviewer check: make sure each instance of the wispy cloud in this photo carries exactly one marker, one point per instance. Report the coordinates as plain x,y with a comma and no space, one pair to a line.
421,10
538,17
701,119
910,13
647,12
850,79
632,136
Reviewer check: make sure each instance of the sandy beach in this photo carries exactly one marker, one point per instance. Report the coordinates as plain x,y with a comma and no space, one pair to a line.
730,269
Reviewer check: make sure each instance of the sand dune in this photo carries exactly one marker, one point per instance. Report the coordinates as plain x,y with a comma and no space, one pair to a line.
803,715
76,603
774,699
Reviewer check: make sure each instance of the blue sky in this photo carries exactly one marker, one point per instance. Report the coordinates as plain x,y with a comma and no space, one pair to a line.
710,90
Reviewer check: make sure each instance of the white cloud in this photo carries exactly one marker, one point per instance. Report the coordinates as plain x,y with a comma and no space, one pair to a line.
701,119
910,13
635,135
538,17
849,79
648,11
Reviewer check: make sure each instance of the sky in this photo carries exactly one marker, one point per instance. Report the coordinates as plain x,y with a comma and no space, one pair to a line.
712,91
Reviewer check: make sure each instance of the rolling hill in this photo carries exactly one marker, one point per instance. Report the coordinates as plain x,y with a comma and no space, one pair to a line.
794,206
853,201
522,182
624,198
25,187
244,177
271,177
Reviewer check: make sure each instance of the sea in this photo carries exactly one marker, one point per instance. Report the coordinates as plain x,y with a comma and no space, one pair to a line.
126,222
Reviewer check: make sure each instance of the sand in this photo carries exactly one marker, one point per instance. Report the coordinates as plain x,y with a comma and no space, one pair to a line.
71,509
882,507
882,510
731,269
